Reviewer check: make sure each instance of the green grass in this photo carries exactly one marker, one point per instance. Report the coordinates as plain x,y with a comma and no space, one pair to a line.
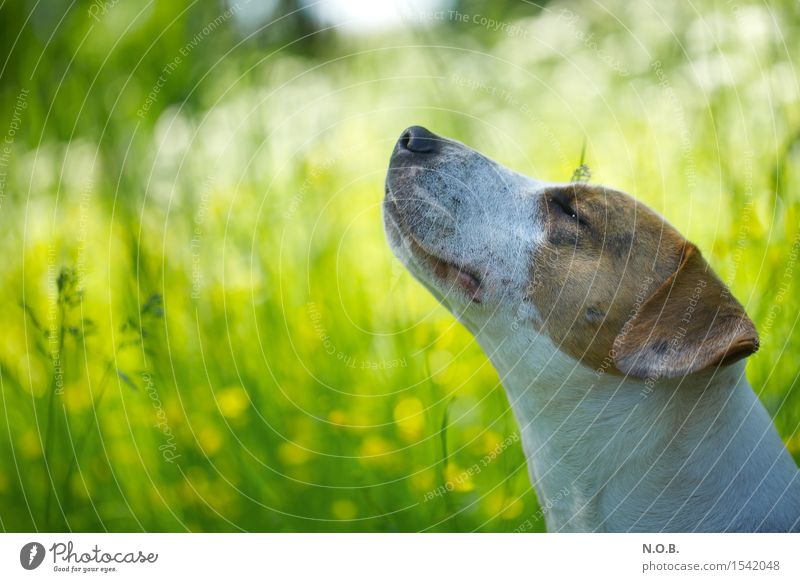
238,349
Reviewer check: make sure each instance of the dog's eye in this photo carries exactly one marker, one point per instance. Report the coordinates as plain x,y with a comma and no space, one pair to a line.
563,204
565,207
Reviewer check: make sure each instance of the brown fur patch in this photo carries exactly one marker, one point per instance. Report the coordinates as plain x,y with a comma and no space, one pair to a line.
690,323
598,275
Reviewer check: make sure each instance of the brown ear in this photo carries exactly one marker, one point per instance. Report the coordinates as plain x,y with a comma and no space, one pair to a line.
690,323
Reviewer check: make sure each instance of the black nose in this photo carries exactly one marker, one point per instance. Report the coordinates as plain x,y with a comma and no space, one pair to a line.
418,139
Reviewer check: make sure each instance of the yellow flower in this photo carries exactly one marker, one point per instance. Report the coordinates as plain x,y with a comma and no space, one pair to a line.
409,415
498,504
423,480
76,397
494,503
210,440
492,443
374,450
30,444
337,417
513,509
293,454
445,332
344,509
793,445
459,479
232,401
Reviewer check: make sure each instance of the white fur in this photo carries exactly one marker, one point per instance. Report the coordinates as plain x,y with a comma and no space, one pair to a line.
605,453
612,454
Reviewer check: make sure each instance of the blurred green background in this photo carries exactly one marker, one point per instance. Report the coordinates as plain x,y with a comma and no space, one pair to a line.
202,327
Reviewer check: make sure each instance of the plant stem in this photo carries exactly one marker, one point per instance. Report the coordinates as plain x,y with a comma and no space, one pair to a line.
85,435
59,368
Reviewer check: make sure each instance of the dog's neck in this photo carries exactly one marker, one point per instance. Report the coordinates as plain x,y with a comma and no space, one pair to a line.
607,453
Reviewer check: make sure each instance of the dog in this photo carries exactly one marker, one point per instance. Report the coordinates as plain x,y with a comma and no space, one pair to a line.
621,352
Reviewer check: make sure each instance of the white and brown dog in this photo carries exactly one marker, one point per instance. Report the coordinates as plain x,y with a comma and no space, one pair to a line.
620,350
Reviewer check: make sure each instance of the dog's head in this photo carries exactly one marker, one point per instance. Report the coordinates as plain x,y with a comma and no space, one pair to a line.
609,281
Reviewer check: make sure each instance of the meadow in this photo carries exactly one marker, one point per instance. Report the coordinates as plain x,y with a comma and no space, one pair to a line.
203,328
